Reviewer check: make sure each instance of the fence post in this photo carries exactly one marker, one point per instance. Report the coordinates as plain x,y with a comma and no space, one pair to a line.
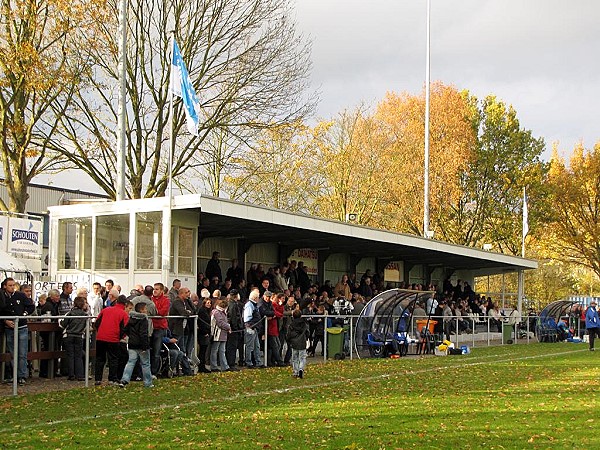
87,352
456,332
15,355
324,344
488,330
350,339
266,356
473,330
195,348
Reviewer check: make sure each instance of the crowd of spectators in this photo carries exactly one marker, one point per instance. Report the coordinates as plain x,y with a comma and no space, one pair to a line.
173,331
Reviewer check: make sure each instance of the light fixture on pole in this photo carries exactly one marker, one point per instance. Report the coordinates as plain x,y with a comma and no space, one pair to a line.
426,232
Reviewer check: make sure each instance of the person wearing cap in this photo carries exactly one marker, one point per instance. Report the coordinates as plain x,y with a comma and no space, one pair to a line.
252,324
592,322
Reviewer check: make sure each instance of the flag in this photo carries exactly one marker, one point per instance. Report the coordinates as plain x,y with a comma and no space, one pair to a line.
181,86
525,215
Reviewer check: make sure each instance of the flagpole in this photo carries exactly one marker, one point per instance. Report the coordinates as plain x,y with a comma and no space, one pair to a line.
171,125
521,273
166,231
525,222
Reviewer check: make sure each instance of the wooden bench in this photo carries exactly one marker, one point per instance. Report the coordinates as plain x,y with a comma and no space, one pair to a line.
48,355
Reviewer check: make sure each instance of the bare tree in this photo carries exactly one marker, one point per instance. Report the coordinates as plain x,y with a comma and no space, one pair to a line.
247,63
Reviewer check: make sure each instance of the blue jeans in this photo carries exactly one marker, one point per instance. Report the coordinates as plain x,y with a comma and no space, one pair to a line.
144,357
298,360
252,346
23,337
218,347
157,337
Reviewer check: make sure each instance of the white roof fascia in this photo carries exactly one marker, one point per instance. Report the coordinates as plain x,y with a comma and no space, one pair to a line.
267,215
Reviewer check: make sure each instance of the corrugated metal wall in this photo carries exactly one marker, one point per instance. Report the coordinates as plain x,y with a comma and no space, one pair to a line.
40,197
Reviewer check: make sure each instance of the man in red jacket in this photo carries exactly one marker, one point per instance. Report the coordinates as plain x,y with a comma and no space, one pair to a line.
110,326
160,325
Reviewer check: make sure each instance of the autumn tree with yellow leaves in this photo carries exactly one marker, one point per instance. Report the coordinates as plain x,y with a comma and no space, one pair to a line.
355,169
40,70
452,141
575,204
278,169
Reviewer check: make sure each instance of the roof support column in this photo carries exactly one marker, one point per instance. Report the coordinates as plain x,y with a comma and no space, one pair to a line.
427,271
284,252
521,290
242,249
406,275
321,258
353,261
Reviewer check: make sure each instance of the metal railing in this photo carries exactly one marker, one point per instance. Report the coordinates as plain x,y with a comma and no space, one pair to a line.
55,319
450,325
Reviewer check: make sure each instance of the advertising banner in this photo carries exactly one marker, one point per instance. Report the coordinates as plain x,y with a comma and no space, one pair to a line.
3,232
24,237
309,256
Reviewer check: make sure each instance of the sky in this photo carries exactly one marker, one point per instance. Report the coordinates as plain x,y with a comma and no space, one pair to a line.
541,56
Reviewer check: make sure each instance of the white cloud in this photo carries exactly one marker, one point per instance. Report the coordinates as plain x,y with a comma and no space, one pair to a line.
539,55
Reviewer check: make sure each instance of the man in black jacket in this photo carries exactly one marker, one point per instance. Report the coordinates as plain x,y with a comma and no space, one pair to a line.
15,303
234,317
139,330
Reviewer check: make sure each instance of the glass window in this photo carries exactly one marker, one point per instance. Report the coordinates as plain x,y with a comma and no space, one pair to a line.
149,241
185,250
112,242
173,241
75,243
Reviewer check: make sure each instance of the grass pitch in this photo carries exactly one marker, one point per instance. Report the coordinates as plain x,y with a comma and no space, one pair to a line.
522,396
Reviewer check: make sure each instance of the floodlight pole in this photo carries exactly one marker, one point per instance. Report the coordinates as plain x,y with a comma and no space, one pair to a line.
122,112
427,95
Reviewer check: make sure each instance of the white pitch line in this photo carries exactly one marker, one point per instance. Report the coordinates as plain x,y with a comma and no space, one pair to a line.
274,391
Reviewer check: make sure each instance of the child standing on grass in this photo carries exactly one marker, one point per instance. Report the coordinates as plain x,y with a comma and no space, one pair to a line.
139,330
297,336
74,326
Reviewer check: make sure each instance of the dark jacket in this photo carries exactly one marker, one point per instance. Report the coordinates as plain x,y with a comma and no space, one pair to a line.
266,310
75,323
234,316
137,329
178,308
213,269
203,321
65,304
16,305
298,333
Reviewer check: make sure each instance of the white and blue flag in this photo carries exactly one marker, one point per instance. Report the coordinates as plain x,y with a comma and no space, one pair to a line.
181,86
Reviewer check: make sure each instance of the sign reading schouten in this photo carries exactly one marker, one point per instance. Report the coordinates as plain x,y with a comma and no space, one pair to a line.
24,236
